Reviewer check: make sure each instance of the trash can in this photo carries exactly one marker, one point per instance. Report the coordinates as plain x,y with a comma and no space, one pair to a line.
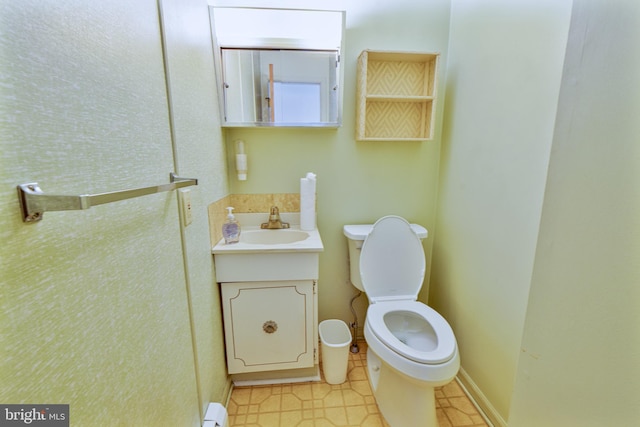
335,338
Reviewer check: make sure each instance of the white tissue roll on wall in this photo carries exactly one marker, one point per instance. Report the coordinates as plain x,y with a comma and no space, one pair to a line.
308,202
241,166
241,161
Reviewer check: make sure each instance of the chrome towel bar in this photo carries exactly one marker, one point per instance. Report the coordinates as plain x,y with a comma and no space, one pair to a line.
34,202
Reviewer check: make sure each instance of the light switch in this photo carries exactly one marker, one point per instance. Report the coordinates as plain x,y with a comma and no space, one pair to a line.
184,198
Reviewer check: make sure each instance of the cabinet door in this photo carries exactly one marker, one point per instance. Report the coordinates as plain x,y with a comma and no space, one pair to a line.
268,325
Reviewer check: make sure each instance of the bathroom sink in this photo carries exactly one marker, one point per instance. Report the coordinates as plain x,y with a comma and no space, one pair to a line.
272,237
267,255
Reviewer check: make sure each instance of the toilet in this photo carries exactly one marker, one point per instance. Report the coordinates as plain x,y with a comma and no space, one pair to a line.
411,348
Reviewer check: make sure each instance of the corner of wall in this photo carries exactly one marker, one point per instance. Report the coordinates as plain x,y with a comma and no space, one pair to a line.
480,400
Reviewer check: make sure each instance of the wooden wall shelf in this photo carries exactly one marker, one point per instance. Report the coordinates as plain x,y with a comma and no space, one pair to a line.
396,94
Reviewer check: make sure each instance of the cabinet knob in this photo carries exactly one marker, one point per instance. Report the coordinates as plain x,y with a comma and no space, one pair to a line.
270,326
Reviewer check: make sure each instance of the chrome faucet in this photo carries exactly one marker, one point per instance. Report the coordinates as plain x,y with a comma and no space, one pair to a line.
274,220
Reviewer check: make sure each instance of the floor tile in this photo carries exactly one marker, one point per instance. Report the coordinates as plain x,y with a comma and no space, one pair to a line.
351,404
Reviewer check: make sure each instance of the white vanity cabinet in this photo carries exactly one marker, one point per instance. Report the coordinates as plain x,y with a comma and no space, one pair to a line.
269,325
270,303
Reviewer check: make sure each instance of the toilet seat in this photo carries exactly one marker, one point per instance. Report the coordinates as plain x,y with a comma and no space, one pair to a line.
442,343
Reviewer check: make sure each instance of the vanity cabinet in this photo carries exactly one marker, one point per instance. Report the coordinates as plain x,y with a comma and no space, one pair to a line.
269,325
269,293
396,94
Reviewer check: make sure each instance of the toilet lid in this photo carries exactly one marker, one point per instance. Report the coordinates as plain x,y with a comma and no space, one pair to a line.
392,262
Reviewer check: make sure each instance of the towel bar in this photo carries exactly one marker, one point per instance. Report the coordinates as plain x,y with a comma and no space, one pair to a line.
34,202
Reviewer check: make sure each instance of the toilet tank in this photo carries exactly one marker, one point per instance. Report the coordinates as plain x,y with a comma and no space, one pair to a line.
355,238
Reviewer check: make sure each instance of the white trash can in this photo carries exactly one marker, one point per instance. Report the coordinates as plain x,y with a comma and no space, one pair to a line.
335,338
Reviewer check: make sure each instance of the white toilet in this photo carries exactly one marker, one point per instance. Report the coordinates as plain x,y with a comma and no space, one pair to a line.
412,348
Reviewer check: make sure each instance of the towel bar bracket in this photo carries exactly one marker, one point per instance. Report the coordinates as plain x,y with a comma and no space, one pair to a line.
34,202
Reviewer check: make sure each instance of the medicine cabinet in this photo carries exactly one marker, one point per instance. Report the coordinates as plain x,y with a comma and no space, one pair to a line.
278,67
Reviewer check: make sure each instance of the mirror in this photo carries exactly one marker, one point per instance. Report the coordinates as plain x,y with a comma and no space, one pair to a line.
278,67
280,87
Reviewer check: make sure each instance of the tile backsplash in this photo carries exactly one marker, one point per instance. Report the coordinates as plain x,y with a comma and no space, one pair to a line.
248,203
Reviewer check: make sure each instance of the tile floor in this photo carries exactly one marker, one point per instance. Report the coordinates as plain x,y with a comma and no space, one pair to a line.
351,404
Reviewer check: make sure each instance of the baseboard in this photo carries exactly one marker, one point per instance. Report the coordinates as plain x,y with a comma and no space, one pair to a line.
478,398
226,396
277,377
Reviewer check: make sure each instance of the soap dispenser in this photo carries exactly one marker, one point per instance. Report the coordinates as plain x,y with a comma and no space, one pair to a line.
231,228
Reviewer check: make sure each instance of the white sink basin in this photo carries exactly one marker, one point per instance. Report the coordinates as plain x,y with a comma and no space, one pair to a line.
272,237
254,239
268,255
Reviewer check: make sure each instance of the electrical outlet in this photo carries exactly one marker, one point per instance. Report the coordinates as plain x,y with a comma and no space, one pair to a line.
184,197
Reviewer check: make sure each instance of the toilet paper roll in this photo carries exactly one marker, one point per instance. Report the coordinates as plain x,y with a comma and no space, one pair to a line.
241,166
308,202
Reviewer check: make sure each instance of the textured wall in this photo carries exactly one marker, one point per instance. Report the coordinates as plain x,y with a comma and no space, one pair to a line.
200,154
95,307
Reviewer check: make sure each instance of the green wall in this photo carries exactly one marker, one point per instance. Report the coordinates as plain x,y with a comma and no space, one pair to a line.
537,210
112,310
358,182
504,71
199,152
581,340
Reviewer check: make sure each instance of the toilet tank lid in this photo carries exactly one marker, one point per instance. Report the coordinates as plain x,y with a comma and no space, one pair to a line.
361,231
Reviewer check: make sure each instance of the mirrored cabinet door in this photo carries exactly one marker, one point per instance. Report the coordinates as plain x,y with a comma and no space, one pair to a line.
278,67
280,87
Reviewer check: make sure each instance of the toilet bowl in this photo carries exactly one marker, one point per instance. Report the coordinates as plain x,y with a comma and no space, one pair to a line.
412,348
